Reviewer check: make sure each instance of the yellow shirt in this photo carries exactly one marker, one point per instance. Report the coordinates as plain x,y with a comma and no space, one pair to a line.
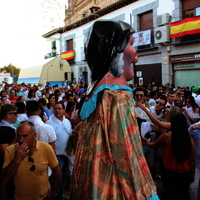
32,185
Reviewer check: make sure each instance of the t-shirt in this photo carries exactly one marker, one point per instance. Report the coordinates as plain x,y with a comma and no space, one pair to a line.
32,185
7,134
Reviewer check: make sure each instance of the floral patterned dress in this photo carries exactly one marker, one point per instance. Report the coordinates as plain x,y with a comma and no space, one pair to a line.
110,163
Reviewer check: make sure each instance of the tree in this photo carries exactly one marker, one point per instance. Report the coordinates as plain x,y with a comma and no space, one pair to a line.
13,70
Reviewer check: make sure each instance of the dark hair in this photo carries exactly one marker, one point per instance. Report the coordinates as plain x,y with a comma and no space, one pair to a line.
140,89
32,106
5,109
19,98
170,92
42,101
153,93
21,107
180,140
60,102
70,104
3,97
31,91
193,103
72,144
50,96
163,97
68,96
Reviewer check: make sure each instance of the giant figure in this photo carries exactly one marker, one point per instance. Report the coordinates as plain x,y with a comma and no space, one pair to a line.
110,163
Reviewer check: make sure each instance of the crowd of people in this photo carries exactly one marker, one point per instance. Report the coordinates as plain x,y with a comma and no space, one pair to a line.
51,114
113,143
54,111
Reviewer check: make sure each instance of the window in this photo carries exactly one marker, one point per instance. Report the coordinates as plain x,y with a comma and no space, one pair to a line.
192,13
69,45
190,9
146,23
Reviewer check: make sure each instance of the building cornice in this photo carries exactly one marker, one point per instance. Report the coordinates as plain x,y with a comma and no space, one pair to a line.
108,9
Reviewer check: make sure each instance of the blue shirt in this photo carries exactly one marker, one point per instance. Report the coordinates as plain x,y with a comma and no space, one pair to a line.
195,134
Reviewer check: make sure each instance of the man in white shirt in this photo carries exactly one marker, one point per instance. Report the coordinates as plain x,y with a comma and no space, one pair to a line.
63,129
170,98
153,97
45,133
158,112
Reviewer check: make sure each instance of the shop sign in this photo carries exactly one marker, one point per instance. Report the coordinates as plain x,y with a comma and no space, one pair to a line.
188,65
183,58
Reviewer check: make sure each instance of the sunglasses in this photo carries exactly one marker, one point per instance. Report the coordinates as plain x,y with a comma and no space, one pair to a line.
139,95
165,112
160,104
32,167
14,113
187,102
178,93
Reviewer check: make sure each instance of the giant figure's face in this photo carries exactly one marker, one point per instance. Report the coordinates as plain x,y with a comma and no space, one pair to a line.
130,57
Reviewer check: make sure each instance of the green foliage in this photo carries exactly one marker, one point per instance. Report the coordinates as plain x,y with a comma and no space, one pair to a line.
13,70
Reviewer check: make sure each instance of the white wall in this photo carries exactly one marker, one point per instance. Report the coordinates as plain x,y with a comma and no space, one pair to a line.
164,6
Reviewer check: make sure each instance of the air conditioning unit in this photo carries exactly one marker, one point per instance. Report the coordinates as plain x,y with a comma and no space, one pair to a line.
163,19
161,34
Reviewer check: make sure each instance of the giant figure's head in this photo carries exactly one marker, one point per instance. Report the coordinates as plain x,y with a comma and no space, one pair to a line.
106,42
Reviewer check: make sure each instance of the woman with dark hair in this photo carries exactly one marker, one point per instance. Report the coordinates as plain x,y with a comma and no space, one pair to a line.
178,158
191,109
51,102
31,95
70,111
109,160
21,99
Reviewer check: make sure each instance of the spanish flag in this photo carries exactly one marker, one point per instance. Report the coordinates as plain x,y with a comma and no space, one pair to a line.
188,26
68,55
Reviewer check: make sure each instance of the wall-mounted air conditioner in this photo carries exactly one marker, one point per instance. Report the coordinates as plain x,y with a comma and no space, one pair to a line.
161,34
163,19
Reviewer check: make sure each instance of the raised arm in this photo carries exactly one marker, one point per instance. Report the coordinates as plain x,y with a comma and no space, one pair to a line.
160,142
11,166
165,125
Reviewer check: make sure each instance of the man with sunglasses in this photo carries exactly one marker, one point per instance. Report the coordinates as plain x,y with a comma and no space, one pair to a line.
158,109
140,96
9,116
27,162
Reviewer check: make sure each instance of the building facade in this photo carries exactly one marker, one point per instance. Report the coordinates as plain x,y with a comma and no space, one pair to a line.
163,56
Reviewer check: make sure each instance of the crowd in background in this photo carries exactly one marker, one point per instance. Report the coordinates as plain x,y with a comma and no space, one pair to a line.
162,111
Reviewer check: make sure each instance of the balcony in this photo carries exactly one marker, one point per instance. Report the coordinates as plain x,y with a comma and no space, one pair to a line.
186,39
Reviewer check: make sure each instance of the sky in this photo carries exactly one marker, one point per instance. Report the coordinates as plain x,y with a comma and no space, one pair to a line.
21,33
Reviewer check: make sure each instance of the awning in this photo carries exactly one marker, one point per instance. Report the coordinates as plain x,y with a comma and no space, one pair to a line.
31,74
50,70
